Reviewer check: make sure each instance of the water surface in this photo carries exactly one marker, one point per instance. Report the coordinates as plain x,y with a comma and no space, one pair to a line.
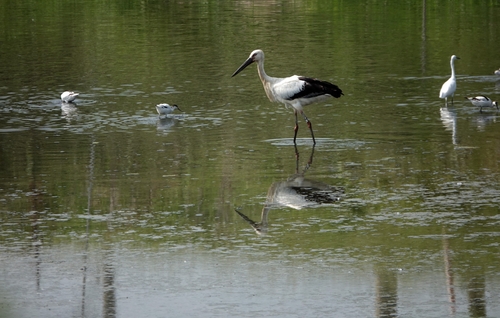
108,210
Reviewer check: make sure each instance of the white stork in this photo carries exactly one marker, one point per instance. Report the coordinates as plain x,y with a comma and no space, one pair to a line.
449,87
68,97
165,109
296,91
482,101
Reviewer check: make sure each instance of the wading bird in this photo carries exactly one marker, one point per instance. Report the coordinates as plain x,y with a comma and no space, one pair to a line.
165,109
68,97
497,72
449,87
482,101
295,91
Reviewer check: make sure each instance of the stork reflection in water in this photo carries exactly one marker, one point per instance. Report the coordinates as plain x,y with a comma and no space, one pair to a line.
297,192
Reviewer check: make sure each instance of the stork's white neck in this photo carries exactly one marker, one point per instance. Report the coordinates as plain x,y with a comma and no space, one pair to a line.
266,80
262,73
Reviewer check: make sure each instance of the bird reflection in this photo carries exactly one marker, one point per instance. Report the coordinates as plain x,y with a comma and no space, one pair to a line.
450,277
297,192
386,293
476,294
483,119
69,110
165,123
449,119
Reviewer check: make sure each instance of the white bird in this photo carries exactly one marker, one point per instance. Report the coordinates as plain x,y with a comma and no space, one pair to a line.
68,97
165,109
482,101
295,91
449,87
497,72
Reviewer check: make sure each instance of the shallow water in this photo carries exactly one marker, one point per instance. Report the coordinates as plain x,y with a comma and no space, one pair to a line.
108,210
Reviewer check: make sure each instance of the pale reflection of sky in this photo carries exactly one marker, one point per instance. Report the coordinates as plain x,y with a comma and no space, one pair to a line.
188,282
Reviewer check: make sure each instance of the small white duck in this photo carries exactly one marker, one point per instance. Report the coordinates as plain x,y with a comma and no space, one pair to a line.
482,101
68,97
165,109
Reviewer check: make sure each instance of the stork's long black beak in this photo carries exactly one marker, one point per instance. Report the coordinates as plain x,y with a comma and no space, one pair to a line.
242,67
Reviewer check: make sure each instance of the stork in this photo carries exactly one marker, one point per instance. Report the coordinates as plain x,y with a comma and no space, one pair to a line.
295,91
68,97
482,101
165,109
449,87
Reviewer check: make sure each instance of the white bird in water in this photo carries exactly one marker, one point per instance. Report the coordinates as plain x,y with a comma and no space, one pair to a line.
68,97
482,101
295,91
449,87
165,109
497,72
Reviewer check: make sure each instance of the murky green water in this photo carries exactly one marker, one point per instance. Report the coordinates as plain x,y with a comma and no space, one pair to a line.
107,210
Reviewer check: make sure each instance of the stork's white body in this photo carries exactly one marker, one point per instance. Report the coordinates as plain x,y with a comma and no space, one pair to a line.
482,101
295,91
68,97
450,86
286,91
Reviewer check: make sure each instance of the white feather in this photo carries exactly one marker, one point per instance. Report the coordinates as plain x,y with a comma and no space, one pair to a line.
68,96
287,87
449,87
482,101
166,109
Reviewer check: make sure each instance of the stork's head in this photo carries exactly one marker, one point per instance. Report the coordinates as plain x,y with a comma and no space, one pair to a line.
255,56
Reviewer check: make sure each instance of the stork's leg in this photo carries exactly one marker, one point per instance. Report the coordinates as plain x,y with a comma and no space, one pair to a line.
296,159
309,125
311,157
296,128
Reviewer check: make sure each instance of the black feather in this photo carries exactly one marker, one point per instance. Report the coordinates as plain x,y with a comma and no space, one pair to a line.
315,87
